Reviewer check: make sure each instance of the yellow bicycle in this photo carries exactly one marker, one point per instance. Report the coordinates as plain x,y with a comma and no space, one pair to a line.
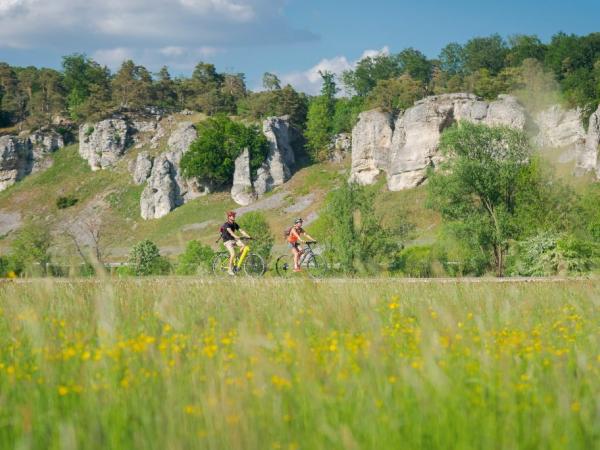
250,263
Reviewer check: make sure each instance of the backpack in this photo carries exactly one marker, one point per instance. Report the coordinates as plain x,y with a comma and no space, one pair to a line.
286,232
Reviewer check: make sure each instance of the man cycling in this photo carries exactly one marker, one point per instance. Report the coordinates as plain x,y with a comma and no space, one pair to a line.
231,239
293,238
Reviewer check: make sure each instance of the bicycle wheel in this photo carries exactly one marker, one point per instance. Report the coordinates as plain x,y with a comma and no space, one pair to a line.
284,265
220,264
316,266
254,265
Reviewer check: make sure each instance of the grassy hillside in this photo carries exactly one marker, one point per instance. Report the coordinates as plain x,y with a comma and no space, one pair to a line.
110,197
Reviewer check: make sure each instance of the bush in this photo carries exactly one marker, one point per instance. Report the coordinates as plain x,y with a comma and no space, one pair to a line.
30,251
212,156
415,262
196,258
145,259
549,254
65,202
255,224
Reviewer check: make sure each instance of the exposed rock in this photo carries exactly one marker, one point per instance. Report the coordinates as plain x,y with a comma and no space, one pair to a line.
341,146
371,143
558,127
405,150
103,143
242,191
16,160
44,143
280,161
183,136
141,168
587,154
160,195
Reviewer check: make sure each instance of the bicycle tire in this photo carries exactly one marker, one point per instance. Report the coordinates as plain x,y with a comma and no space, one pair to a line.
284,266
220,264
316,266
254,265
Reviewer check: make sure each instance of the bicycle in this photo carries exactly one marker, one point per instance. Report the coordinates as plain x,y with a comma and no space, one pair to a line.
252,264
312,263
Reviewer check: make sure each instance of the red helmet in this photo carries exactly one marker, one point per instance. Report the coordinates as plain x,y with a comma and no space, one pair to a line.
231,213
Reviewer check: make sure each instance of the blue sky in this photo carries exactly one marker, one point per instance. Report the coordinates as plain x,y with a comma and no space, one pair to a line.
293,38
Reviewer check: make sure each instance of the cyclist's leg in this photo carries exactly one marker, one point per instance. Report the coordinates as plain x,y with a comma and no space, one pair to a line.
230,246
296,252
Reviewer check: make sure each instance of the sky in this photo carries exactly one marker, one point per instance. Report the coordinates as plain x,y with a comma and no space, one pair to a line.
291,38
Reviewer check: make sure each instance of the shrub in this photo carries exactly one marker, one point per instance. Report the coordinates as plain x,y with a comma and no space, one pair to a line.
65,202
30,251
415,262
255,224
197,258
145,259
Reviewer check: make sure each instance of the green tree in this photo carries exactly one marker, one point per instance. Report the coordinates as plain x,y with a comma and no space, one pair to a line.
165,90
132,87
353,233
452,59
145,259
478,188
88,87
255,224
369,71
271,82
220,141
319,123
485,53
29,250
522,47
197,258
415,64
396,94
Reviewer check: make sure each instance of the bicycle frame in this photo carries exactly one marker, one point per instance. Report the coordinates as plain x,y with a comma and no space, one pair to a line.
242,256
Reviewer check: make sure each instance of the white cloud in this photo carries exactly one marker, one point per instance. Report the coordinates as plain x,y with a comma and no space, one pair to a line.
309,81
177,29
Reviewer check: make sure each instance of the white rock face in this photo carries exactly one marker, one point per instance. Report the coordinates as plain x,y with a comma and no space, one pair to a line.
159,197
559,127
16,160
167,188
587,155
341,146
103,143
277,168
371,144
141,168
44,143
242,191
405,150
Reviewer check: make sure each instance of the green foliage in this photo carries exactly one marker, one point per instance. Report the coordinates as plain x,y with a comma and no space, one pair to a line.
278,102
352,232
346,114
485,53
369,71
197,258
145,259
255,224
396,94
220,141
415,262
132,87
29,250
549,254
319,130
477,189
65,202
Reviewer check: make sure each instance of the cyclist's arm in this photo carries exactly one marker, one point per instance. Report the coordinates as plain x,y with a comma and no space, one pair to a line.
244,233
233,235
309,237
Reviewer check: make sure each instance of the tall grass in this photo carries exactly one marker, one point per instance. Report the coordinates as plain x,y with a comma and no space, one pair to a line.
263,364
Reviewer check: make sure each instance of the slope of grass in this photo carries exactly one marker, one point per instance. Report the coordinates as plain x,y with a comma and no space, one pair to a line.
171,363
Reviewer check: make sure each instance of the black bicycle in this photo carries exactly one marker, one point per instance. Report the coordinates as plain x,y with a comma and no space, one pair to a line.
311,263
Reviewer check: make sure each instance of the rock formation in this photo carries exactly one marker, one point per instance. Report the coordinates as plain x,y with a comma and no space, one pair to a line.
340,147
103,143
25,154
277,168
587,156
166,187
406,147
242,191
141,168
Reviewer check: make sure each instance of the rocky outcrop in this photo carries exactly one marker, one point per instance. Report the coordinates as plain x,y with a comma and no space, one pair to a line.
16,160
141,168
166,187
104,143
44,142
558,128
587,156
277,168
242,191
340,147
406,147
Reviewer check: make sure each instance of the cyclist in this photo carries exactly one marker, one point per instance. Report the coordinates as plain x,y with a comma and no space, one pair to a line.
231,239
293,237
